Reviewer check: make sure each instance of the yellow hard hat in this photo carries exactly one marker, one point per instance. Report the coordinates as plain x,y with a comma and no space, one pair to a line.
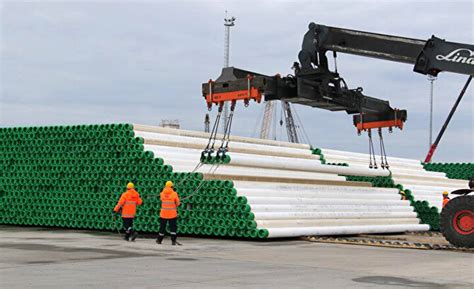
445,193
130,186
169,184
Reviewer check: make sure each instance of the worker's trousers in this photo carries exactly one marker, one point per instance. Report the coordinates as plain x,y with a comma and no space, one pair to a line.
128,226
173,227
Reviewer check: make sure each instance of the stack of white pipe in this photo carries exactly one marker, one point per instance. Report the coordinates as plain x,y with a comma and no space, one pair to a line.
287,187
297,209
425,185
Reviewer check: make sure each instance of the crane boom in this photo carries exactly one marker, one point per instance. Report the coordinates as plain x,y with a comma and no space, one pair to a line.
267,120
428,57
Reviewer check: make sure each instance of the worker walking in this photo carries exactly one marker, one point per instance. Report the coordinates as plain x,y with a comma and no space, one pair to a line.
129,202
445,198
169,213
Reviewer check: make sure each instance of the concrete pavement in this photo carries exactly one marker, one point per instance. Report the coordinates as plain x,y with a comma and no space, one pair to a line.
45,258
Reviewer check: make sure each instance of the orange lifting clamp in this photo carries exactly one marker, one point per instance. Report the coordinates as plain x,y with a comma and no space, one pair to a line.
220,92
365,122
231,86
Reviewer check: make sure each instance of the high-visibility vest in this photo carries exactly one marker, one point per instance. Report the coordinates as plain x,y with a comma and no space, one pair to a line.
403,194
169,204
129,202
445,201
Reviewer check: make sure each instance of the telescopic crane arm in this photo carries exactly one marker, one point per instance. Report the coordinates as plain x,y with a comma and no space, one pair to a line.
428,57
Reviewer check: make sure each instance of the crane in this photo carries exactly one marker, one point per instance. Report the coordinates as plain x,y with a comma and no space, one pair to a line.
267,119
290,123
314,84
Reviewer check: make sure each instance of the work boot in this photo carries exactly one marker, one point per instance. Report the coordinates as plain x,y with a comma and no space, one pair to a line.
173,239
127,235
160,239
134,236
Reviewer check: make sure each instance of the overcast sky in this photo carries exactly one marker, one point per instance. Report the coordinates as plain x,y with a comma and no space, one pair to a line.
144,61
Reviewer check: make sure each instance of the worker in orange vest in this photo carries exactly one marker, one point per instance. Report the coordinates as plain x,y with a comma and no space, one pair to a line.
129,202
403,195
169,212
445,198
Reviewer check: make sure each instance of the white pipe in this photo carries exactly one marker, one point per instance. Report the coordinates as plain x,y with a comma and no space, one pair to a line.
437,186
416,171
365,160
331,215
418,177
232,145
302,165
437,197
233,138
196,154
419,172
158,149
344,230
434,179
427,194
330,222
440,182
270,200
414,187
317,194
330,152
428,197
187,165
307,194
278,186
329,208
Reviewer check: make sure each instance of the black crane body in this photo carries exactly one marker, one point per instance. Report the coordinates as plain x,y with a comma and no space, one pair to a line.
314,84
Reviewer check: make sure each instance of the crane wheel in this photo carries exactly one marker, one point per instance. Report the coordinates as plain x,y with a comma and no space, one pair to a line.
457,221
